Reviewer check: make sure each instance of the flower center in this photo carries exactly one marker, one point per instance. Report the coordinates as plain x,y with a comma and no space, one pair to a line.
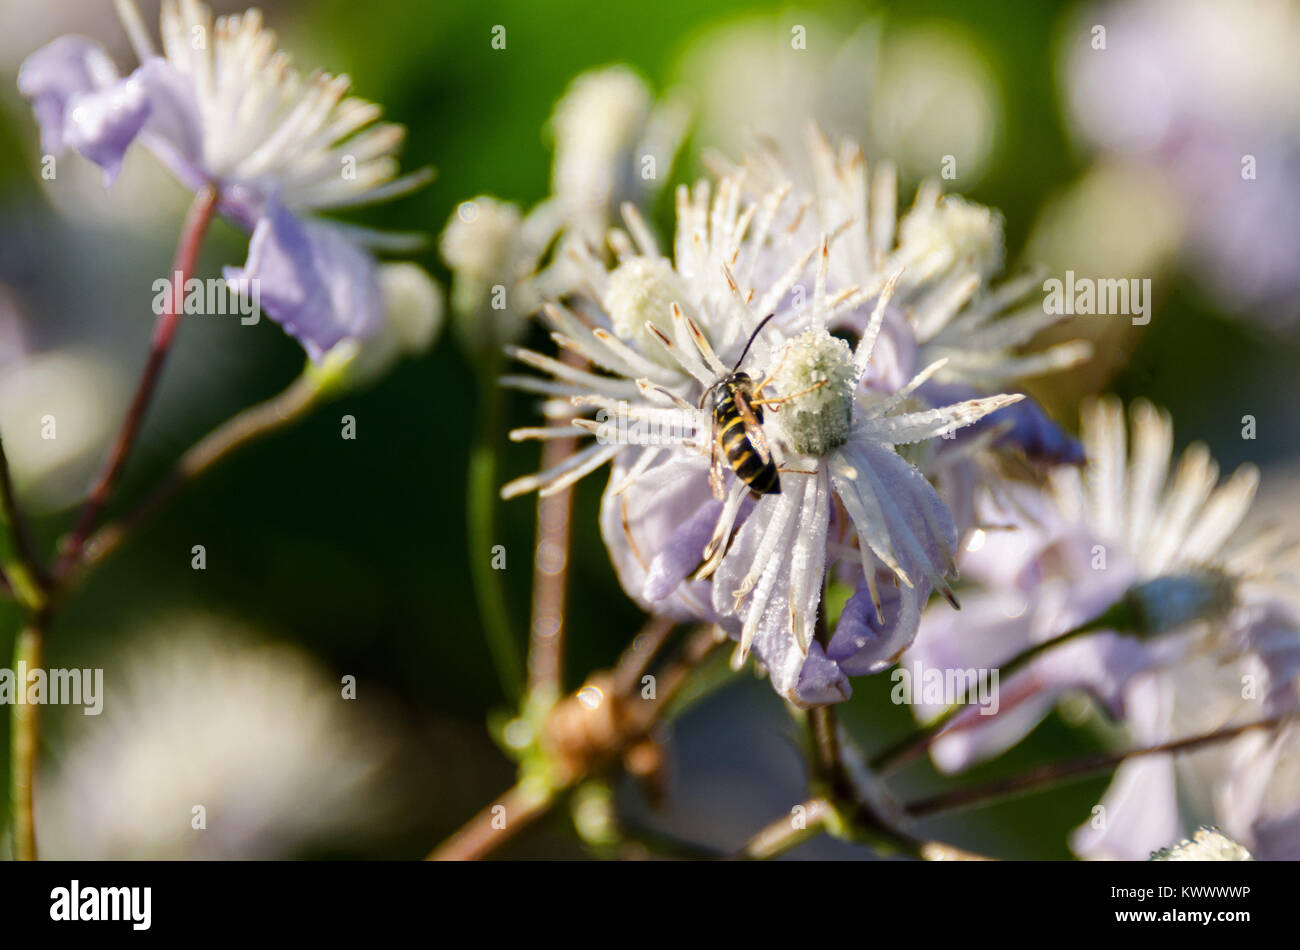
643,290
951,233
816,371
1167,603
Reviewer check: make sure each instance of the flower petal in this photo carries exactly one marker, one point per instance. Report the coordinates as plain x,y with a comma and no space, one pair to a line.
1031,428
862,644
57,73
314,282
101,125
645,518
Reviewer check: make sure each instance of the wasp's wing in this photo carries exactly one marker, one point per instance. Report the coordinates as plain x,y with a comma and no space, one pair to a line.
754,430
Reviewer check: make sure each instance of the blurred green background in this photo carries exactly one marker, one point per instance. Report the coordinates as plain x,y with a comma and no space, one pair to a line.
355,551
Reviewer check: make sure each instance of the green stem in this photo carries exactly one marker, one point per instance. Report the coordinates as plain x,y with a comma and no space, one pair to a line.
783,834
482,491
29,649
848,813
21,571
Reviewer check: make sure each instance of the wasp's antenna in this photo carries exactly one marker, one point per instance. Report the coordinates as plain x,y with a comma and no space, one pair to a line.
745,351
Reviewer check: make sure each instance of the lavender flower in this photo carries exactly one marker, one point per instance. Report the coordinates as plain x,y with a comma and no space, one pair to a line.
1247,786
222,106
1149,97
664,332
1123,531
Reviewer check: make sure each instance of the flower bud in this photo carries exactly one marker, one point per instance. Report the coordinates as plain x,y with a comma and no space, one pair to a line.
643,290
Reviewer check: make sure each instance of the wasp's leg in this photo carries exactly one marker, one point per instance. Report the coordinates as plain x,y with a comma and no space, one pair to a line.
715,472
774,403
767,381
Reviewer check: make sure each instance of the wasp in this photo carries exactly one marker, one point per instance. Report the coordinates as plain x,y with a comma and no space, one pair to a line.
736,404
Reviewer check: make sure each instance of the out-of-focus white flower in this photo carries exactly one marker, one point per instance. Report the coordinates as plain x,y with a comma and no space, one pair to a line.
255,734
613,144
936,100
495,255
945,249
413,318
1205,96
57,412
221,107
923,94
1248,786
12,335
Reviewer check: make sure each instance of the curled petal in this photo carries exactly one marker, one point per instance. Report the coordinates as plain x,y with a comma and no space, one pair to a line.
896,512
1031,429
772,578
682,553
314,282
645,520
864,643
1141,808
101,125
173,131
55,75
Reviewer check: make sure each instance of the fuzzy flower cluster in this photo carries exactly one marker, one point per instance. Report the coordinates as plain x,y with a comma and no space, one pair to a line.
864,343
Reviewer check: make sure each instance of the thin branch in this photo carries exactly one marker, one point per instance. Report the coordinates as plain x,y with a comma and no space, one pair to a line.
1046,776
11,514
626,721
640,653
495,825
248,426
915,743
817,815
787,832
183,265
30,645
550,578
29,650
849,807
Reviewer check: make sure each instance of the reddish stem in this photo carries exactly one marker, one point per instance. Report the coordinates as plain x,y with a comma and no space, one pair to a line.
183,265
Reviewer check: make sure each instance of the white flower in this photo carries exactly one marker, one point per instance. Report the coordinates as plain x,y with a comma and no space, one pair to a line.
256,734
947,249
1208,844
222,109
612,144
915,92
663,335
495,255
652,366
261,124
840,453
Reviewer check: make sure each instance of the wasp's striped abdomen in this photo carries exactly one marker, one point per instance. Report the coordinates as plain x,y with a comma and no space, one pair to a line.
732,434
